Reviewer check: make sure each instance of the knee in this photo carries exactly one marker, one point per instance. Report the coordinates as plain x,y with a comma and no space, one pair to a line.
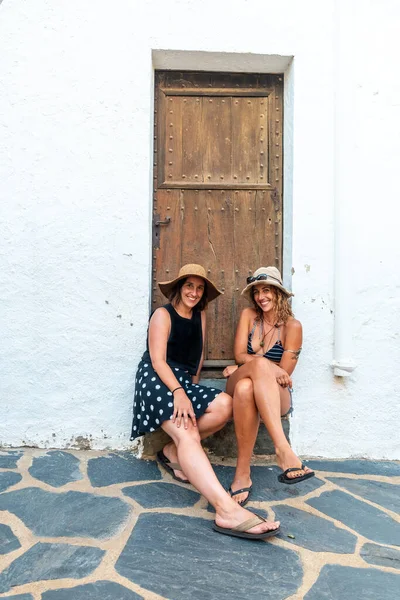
222,406
225,405
262,368
244,390
190,434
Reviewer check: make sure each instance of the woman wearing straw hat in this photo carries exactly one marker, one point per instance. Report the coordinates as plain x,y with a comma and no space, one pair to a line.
168,395
269,331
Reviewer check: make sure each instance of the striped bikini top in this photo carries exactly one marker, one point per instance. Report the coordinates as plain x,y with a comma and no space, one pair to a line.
274,353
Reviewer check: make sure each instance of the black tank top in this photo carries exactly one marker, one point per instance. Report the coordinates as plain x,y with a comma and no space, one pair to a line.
185,342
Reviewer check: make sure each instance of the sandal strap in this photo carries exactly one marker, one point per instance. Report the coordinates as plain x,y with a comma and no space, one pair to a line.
174,466
302,468
249,523
246,489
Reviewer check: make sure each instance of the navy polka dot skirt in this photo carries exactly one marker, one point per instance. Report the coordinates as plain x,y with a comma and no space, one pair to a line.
153,402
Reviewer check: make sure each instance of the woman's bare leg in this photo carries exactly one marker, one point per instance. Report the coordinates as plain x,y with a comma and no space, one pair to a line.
215,418
267,397
246,417
200,473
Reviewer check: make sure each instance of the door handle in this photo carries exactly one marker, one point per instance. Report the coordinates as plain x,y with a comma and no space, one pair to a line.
166,222
156,229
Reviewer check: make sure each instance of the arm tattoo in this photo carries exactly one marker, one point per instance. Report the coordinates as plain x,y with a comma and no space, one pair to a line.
296,353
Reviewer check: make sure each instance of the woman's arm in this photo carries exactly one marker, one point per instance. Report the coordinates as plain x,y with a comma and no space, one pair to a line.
242,336
240,345
293,342
196,378
159,330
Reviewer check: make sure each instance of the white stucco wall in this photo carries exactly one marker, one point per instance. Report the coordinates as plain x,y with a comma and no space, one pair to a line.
75,199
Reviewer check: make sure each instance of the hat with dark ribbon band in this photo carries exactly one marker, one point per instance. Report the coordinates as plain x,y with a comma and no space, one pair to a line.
268,275
188,271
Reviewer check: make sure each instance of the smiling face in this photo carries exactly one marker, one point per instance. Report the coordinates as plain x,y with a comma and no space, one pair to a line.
192,291
265,297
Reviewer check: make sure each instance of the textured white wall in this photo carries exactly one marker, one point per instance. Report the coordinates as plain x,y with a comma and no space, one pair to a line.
75,195
359,415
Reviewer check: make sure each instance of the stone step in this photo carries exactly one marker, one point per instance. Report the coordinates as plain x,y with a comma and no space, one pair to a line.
222,443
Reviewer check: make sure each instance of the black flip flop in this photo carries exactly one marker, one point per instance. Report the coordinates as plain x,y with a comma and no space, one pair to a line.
242,491
241,530
283,478
170,467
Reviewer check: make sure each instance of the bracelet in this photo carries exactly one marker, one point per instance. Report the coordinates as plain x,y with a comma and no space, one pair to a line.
178,388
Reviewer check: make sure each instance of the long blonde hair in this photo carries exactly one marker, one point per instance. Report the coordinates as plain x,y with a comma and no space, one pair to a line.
282,308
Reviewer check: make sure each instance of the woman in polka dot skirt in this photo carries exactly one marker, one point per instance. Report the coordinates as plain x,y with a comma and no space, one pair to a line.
168,395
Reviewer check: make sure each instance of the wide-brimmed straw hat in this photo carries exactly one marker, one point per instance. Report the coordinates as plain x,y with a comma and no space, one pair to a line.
187,271
269,275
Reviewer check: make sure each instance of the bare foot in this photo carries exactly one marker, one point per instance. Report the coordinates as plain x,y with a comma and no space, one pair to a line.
172,455
237,515
239,482
287,459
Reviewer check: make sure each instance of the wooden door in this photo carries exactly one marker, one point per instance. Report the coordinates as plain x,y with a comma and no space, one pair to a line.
217,186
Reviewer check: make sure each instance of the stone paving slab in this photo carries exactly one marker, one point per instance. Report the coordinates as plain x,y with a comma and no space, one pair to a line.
50,561
121,468
7,480
101,590
71,514
367,520
345,583
9,459
162,494
262,569
385,494
357,467
381,555
314,533
8,541
163,546
56,468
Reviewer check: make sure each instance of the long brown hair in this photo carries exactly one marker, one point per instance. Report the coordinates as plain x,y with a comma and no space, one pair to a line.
174,295
282,308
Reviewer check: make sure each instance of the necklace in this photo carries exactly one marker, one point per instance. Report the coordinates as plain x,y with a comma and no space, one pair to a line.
263,335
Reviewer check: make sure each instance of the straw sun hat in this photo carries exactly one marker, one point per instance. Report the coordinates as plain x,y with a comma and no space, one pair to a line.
187,271
270,275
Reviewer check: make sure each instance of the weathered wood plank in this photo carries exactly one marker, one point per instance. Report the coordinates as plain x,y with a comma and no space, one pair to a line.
218,160
217,144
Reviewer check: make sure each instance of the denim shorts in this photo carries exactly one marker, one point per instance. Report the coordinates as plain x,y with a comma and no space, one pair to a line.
289,412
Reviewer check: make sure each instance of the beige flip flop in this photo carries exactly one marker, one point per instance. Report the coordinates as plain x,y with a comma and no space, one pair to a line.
241,530
170,467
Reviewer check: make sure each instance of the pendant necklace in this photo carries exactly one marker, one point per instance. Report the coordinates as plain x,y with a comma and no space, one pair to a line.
263,335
